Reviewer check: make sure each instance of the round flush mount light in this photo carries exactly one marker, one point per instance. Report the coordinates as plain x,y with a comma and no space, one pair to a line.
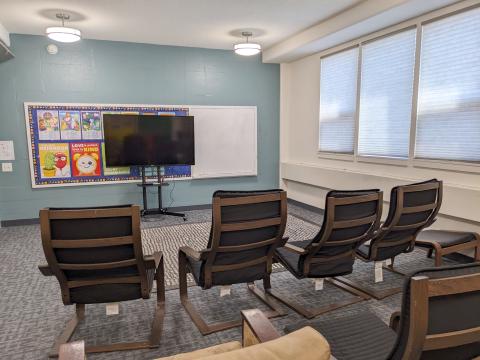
247,48
62,33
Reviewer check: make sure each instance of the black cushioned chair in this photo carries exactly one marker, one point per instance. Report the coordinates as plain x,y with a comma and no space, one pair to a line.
247,226
439,320
412,208
96,255
350,218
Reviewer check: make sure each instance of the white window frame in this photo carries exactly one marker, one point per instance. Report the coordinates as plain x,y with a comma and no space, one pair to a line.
411,161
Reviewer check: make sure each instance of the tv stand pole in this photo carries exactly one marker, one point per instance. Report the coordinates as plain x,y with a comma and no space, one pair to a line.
160,182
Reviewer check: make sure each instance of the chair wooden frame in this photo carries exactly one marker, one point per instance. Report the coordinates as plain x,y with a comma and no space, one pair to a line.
377,240
256,329
143,263
440,252
208,255
422,289
310,252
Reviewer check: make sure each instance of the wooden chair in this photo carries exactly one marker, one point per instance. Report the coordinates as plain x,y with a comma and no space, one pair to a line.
96,256
413,207
439,320
350,218
260,341
445,242
247,226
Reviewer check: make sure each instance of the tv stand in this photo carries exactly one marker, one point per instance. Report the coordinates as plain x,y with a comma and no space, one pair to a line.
160,182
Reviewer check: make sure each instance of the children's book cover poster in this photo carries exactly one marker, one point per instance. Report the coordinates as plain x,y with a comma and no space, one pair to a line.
54,160
113,171
91,125
70,125
48,128
85,159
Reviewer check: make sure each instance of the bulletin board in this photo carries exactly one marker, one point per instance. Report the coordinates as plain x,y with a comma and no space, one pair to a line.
67,148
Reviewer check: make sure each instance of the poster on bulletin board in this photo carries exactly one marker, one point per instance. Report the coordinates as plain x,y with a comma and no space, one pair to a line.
67,147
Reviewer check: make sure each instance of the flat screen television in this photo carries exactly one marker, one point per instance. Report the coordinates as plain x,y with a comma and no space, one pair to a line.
146,140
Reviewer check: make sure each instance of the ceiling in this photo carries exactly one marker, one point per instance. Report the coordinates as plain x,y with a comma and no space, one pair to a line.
198,23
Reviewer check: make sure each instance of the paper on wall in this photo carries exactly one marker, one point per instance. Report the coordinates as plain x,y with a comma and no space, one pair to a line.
7,152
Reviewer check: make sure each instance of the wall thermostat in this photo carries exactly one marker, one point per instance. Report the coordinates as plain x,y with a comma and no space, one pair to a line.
52,49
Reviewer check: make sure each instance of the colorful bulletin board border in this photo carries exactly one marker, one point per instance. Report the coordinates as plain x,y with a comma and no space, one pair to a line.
67,148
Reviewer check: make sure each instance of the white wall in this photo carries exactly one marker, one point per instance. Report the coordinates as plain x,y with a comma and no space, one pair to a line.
307,177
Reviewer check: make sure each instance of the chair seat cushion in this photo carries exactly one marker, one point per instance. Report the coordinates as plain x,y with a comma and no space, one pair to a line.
290,259
212,350
357,337
444,238
382,253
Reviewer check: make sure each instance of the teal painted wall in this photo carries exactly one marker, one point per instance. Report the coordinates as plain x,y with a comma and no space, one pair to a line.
115,72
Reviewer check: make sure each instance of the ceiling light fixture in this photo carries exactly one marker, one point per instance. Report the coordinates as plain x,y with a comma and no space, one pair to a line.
62,33
247,48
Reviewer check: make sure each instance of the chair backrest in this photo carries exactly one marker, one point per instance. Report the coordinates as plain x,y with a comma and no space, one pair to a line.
95,253
247,226
412,208
440,316
349,220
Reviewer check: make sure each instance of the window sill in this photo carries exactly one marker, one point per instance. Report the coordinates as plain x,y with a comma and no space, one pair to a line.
449,165
383,160
335,156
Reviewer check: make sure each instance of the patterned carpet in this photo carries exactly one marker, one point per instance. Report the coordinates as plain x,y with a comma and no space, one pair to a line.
32,314
168,239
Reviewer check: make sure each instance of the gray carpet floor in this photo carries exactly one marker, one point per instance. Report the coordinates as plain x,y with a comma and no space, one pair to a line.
32,314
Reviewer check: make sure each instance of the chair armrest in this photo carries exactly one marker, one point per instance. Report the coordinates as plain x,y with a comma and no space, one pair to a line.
72,351
284,241
295,249
194,254
45,270
256,328
395,321
152,261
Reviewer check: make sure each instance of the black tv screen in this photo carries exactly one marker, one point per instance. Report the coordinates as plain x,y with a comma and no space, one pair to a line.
143,140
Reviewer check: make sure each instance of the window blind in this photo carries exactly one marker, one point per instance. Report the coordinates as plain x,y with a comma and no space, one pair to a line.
448,116
338,88
386,91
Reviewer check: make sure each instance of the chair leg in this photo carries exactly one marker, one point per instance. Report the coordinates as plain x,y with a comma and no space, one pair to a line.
68,330
157,324
155,333
392,269
376,294
311,313
438,258
203,327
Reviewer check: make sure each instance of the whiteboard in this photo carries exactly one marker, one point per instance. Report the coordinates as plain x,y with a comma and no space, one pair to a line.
225,141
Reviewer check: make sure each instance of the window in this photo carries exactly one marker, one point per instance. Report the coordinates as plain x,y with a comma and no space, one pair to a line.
338,88
448,120
386,96
440,76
